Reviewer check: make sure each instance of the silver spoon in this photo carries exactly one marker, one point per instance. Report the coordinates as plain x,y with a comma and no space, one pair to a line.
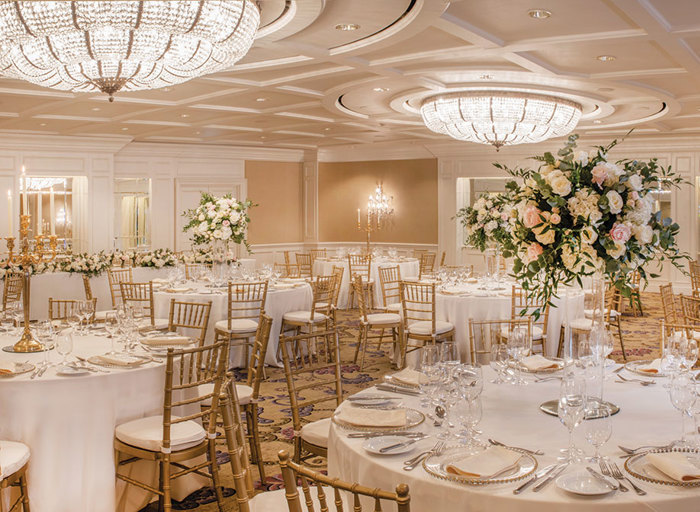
440,412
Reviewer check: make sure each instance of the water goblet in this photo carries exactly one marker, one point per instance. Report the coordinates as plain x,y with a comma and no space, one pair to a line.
598,430
688,353
470,381
683,396
572,405
112,327
64,346
518,348
449,352
429,365
499,361
468,414
73,318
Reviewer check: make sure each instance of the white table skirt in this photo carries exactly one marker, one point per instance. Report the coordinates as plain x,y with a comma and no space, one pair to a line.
68,424
511,415
409,268
277,304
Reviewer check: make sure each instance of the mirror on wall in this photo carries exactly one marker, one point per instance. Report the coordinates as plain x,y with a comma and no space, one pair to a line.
132,219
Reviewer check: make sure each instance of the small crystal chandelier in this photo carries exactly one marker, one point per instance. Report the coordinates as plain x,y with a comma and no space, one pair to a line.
107,46
379,205
500,118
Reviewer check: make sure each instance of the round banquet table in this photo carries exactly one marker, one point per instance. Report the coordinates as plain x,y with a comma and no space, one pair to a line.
467,301
279,301
409,268
511,415
68,424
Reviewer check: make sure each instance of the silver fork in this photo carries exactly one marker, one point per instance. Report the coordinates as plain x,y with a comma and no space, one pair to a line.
617,474
415,461
641,381
607,472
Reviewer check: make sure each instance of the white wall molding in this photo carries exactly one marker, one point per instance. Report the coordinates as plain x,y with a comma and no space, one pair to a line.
153,149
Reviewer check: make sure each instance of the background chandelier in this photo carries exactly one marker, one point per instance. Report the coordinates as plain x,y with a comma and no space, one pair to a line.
379,204
86,46
500,118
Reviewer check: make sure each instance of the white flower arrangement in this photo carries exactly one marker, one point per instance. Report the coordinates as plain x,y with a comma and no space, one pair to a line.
218,219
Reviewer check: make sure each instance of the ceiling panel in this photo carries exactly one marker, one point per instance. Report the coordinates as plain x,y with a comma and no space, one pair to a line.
430,39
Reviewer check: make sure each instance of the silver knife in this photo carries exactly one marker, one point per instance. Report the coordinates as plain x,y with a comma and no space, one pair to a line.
540,474
601,478
551,477
397,445
395,389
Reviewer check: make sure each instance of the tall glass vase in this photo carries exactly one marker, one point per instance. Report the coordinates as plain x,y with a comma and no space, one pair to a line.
219,252
492,255
598,337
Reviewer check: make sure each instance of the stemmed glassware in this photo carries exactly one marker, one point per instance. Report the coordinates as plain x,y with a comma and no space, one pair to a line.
430,367
519,347
46,334
683,396
499,361
112,327
572,409
599,429
64,346
73,318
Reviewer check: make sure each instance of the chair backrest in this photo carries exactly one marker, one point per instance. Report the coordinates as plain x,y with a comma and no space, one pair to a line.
191,269
287,269
116,276
312,369
668,329
61,309
190,315
87,287
668,303
185,371
360,264
139,295
246,300
524,304
427,263
695,277
467,269
691,309
292,473
12,291
338,272
485,333
305,264
418,303
256,367
323,288
361,294
317,253
389,279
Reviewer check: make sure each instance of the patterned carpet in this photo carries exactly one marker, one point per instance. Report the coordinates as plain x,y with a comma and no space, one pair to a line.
641,342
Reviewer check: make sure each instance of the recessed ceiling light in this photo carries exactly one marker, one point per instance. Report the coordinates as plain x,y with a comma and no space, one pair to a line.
486,77
96,109
328,129
167,89
261,99
606,89
124,129
197,133
263,137
184,115
606,58
380,89
539,14
42,124
597,121
347,26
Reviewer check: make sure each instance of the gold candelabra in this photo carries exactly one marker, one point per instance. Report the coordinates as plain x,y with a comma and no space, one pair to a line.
26,257
379,210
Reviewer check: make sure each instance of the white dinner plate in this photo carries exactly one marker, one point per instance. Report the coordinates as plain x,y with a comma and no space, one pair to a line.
373,401
374,444
72,371
583,483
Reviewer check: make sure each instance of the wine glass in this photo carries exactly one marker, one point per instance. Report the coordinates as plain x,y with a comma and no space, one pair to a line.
468,413
46,333
73,318
499,361
683,397
572,408
599,429
688,353
518,347
470,381
429,365
86,311
64,346
449,353
112,326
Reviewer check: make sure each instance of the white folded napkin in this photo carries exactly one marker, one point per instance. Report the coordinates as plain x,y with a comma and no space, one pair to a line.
453,290
363,417
159,280
178,289
157,341
7,367
120,360
675,465
472,280
488,462
409,377
537,362
293,280
653,368
285,286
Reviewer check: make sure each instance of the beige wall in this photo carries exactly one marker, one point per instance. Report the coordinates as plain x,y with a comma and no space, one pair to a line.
343,187
276,187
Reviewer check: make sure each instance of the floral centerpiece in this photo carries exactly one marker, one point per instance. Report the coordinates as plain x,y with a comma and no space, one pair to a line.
158,258
205,257
487,221
219,219
579,214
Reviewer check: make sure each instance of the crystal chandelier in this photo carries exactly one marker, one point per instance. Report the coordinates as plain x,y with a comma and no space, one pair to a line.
500,118
379,204
108,46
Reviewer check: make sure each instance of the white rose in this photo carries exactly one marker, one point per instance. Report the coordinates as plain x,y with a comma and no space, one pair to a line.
644,234
581,157
615,201
635,182
559,183
490,226
545,238
589,235
617,251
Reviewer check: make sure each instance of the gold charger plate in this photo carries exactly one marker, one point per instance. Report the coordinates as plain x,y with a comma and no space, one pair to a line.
636,466
141,360
633,366
20,368
435,465
558,361
413,419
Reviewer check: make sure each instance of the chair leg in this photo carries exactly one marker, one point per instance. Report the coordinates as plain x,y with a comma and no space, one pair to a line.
622,343
165,478
214,468
25,492
359,344
255,440
365,330
560,348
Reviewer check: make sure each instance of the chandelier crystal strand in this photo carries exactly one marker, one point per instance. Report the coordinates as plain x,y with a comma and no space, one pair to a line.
500,118
107,46
379,205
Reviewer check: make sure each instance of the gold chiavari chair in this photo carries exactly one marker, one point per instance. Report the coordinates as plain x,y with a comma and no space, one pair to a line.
611,317
312,369
485,333
287,270
192,269
370,321
338,273
668,304
695,277
292,473
467,269
140,295
389,279
116,276
636,298
191,316
15,462
305,264
417,253
317,253
360,264
420,317
323,288
427,264
246,303
691,309
443,258
99,315
691,331
521,306
177,436
61,309
12,291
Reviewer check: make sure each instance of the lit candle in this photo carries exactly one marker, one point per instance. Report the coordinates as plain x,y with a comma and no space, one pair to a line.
358,216
39,216
23,191
9,212
52,214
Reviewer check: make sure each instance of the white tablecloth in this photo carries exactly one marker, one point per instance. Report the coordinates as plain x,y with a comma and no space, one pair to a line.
511,415
277,304
68,424
409,268
482,305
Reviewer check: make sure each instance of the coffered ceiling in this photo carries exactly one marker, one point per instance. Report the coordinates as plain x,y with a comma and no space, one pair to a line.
308,84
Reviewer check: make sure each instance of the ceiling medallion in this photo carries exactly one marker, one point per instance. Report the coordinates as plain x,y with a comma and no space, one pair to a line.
500,118
87,46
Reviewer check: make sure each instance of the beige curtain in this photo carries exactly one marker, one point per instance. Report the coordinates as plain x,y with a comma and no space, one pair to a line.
134,221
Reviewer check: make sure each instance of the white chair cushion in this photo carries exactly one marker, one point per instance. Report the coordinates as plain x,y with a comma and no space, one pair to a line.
13,456
158,323
245,393
317,432
101,315
396,306
383,318
589,313
147,433
276,501
536,332
238,325
582,324
425,327
304,317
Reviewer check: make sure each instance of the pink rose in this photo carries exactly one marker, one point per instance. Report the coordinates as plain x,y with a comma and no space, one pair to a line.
600,174
534,250
634,195
531,216
620,232
226,223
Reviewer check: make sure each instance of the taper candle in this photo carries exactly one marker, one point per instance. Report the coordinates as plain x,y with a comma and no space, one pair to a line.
10,213
52,214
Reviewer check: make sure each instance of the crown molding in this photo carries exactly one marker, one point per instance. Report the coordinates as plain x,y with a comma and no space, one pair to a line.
61,143
165,150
